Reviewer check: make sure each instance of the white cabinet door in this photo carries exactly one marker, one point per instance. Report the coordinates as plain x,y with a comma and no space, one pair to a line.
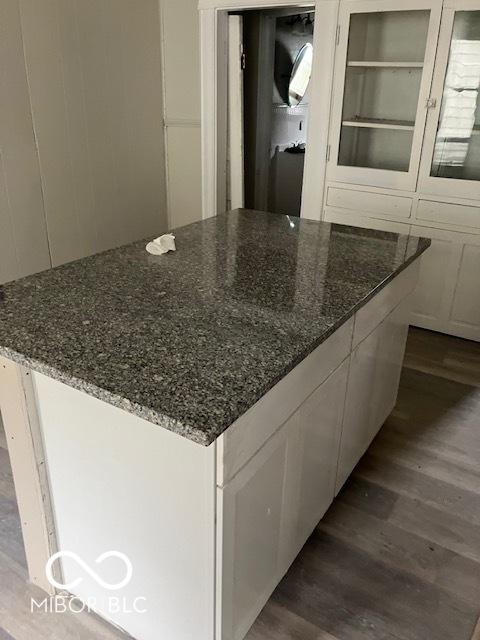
358,408
383,70
375,368
252,508
465,314
274,502
319,428
436,283
447,298
392,339
451,152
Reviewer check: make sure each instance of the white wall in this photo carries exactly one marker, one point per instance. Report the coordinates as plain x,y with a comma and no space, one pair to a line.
94,71
23,238
181,76
82,79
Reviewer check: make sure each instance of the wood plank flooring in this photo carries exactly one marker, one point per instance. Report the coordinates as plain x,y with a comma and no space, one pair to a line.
397,556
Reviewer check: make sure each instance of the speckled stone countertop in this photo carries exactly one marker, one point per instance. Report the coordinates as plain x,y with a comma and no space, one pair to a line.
190,340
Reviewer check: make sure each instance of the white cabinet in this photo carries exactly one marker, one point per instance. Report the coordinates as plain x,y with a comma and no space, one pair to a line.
447,296
375,368
270,499
358,408
319,430
463,217
435,288
273,504
451,155
252,507
396,168
466,302
208,546
376,204
383,72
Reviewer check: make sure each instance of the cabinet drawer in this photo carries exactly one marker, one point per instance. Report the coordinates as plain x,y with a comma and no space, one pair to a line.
355,220
377,204
373,313
247,434
444,213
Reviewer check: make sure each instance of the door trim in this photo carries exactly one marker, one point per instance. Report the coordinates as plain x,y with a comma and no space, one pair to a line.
214,92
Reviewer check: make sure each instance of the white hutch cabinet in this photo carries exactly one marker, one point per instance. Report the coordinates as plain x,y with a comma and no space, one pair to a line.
404,142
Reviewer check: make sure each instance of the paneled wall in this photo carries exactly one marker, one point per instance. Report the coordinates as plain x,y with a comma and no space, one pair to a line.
82,81
23,237
181,76
94,72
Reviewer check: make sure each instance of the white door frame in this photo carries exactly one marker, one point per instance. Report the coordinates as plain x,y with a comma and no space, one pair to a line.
214,90
235,112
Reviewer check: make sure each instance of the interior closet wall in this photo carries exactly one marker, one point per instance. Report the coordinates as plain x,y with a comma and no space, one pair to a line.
181,77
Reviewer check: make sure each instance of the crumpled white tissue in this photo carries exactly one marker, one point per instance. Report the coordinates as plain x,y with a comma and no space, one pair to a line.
162,244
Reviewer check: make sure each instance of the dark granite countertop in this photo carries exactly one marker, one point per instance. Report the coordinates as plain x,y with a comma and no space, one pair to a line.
190,340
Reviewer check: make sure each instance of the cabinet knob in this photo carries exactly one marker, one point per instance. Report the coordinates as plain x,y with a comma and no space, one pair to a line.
431,103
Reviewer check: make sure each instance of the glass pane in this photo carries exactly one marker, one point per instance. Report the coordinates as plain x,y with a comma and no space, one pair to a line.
382,84
388,36
457,146
387,149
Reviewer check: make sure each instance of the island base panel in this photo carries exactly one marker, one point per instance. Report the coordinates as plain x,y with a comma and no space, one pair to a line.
120,483
25,449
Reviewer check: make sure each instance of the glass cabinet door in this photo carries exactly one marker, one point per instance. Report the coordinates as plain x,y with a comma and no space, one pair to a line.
384,92
456,152
451,162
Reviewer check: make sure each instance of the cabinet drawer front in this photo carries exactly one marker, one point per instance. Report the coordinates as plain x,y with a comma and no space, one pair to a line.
372,314
369,202
245,437
444,213
355,220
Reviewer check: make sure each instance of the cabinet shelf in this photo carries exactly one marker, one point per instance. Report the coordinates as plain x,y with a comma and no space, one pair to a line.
374,123
385,65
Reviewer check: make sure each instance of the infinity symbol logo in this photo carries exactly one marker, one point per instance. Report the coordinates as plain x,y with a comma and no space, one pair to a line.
93,574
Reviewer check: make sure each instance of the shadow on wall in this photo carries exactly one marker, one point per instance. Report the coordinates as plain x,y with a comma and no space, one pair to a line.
283,70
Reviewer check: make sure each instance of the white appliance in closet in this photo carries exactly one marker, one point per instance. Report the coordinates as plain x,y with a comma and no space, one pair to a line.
404,142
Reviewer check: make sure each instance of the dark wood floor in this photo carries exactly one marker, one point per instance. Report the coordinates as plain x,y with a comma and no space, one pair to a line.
397,556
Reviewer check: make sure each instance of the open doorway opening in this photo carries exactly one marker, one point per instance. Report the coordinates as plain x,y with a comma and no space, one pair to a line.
270,63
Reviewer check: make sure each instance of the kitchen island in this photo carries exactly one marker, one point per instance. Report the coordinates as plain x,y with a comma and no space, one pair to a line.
198,411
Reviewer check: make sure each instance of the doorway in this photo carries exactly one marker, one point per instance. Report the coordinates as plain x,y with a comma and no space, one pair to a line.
269,70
